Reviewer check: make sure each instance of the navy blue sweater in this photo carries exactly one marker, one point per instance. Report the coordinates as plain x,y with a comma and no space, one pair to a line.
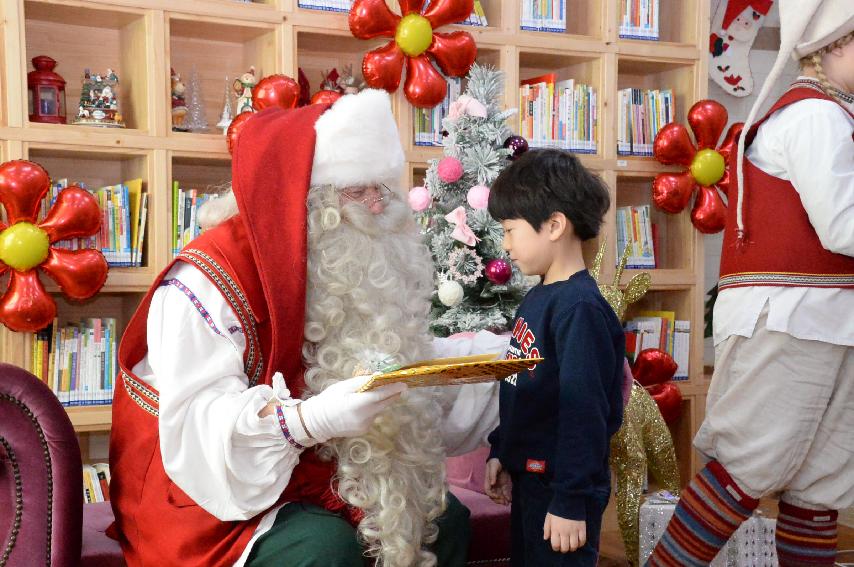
558,419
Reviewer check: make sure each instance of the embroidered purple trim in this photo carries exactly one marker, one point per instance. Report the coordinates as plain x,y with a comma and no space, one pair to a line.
196,303
287,432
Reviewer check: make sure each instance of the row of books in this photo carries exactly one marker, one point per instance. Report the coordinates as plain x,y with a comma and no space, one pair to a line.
427,122
185,208
544,15
96,483
477,17
661,330
636,229
558,114
326,5
124,210
639,19
642,113
77,361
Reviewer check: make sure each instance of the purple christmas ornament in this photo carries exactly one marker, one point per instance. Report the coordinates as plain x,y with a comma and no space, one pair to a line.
498,271
517,145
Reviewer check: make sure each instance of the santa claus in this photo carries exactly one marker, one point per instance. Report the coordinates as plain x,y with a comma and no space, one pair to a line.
239,437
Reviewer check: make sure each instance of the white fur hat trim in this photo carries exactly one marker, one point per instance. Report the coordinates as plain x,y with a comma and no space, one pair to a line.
358,142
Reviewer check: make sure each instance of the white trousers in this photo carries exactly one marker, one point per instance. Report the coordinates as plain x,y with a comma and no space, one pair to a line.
780,417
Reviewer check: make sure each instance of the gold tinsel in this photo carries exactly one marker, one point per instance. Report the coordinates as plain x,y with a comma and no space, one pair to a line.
643,442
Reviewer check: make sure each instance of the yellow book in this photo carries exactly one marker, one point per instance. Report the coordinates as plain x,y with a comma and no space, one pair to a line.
478,9
134,196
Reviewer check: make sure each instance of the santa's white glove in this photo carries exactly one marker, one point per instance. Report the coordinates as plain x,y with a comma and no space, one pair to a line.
339,411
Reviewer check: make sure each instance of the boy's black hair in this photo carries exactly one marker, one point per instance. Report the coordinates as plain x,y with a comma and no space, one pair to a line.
542,182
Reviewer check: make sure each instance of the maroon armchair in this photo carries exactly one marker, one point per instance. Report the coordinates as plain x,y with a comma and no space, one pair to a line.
42,520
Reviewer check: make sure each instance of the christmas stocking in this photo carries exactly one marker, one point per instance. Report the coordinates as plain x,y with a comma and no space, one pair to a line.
734,27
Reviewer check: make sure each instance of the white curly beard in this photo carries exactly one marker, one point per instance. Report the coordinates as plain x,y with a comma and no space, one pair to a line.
369,285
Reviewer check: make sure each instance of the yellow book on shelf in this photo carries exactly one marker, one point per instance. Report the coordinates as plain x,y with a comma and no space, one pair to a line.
134,196
452,371
478,10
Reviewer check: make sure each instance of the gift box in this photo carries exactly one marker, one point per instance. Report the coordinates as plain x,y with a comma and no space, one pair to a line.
752,545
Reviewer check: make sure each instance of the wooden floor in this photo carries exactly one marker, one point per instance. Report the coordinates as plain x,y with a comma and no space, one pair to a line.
612,553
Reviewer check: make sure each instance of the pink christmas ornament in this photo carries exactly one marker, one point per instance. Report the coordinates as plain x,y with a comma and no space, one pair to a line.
419,198
498,271
450,169
478,197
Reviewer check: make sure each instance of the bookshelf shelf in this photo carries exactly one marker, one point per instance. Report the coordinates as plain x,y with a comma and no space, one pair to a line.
119,280
661,50
142,39
91,419
85,36
670,253
584,18
657,73
217,49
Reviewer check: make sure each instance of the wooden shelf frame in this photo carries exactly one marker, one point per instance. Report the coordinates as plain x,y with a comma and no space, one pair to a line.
144,38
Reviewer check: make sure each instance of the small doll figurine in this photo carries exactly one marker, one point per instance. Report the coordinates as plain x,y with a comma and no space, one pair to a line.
179,105
243,87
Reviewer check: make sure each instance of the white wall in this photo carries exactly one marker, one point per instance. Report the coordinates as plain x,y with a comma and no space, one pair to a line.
761,62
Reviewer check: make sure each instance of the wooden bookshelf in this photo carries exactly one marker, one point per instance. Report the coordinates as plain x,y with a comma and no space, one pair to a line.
142,39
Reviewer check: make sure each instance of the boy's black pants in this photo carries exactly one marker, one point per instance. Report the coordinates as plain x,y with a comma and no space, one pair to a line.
531,498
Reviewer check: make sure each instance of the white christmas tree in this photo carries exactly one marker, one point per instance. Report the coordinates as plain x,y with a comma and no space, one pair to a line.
227,114
477,288
197,121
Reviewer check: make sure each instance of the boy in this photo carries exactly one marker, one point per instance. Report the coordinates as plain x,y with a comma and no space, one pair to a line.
549,454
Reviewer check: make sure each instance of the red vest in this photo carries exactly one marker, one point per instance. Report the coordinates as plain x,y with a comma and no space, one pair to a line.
782,247
158,523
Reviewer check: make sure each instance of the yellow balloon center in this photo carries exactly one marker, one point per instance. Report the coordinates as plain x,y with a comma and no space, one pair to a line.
23,246
708,167
414,34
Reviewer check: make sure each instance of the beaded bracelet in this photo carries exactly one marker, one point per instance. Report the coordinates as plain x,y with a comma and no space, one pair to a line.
287,432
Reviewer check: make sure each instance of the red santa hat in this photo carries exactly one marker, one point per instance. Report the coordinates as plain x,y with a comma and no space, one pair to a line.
277,157
358,142
735,7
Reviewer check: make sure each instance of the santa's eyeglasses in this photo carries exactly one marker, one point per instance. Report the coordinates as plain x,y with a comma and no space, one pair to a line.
367,195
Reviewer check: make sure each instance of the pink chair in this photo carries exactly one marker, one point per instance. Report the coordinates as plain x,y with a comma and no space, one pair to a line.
42,517
490,522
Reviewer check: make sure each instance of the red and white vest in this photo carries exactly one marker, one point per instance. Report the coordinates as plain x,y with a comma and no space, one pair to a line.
157,523
782,247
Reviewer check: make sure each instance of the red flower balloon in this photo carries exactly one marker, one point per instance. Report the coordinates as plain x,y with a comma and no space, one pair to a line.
668,398
325,97
26,245
234,129
654,369
275,90
707,171
414,39
653,366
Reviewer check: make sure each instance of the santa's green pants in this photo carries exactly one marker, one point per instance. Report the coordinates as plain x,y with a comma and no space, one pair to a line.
308,536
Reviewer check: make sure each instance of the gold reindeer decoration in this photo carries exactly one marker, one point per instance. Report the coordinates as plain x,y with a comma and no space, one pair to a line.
643,442
617,298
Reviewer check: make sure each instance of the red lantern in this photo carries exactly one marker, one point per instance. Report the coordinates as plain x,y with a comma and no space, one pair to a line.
46,91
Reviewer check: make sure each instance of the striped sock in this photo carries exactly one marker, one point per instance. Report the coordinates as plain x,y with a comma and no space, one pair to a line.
805,537
709,512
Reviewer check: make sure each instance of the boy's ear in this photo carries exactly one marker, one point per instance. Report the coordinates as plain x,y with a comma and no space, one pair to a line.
558,225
